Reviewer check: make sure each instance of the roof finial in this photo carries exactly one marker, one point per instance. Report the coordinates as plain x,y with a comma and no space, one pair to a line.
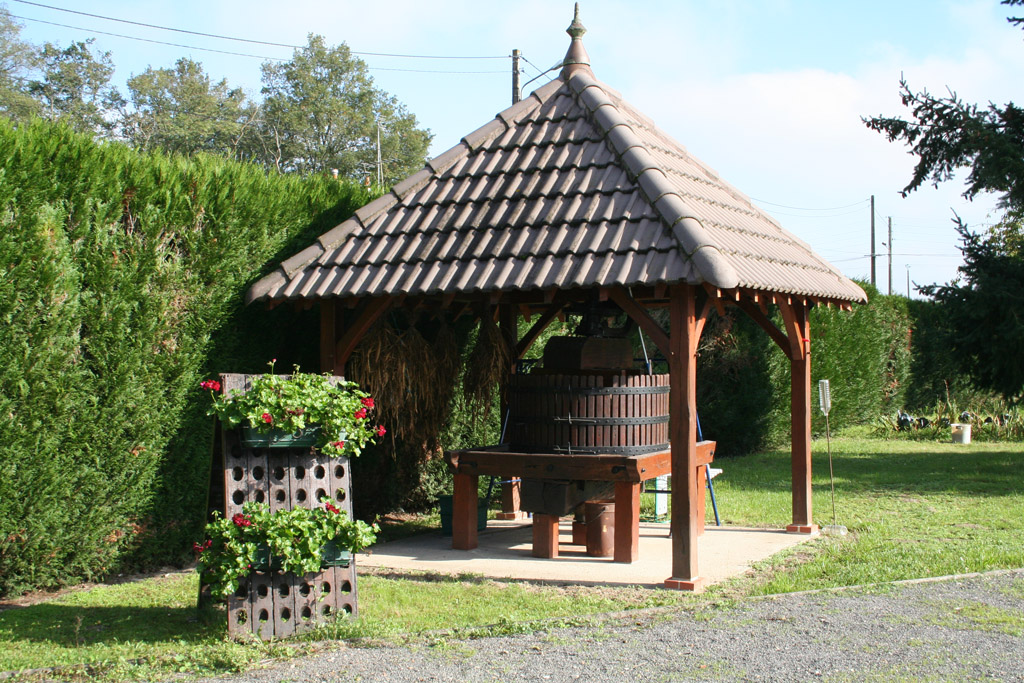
576,28
576,58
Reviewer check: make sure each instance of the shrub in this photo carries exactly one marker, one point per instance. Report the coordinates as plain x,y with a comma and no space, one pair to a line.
122,289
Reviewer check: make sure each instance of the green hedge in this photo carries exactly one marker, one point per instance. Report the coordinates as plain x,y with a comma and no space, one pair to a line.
865,355
121,277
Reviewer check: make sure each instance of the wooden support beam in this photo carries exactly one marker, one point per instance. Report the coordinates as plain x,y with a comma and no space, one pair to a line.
800,408
524,311
545,536
767,325
366,316
682,359
703,318
464,512
328,334
627,521
641,318
524,344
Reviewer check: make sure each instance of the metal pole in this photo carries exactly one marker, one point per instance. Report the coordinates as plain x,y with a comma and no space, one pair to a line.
874,283
515,77
890,255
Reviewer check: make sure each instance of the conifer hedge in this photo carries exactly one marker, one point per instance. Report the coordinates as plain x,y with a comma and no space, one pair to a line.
121,284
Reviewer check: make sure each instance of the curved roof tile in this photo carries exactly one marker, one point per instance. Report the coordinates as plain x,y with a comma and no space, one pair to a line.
572,187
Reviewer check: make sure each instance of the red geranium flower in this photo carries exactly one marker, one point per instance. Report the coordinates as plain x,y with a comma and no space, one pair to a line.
381,431
211,384
241,520
368,402
360,414
331,508
338,444
200,547
267,417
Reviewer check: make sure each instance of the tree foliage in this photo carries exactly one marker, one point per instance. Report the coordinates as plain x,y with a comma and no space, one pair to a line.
321,111
17,60
947,134
75,86
181,110
984,309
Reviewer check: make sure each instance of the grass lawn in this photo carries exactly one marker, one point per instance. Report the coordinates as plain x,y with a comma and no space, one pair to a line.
914,509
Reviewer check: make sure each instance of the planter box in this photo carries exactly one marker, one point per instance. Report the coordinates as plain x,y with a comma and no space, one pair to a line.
277,438
331,555
335,556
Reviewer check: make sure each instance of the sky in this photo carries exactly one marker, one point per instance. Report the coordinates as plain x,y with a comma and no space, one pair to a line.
769,93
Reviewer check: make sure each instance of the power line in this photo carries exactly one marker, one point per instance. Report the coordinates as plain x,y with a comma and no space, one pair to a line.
235,54
147,40
802,208
245,40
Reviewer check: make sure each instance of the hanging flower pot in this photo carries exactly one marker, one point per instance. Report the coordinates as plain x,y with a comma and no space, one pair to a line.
279,438
298,410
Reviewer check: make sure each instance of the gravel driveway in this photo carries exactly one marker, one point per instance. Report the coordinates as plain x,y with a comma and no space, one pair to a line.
955,629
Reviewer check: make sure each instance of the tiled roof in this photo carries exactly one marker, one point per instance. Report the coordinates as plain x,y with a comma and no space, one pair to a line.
571,187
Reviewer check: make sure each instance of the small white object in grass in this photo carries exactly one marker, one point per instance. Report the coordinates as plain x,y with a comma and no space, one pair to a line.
834,530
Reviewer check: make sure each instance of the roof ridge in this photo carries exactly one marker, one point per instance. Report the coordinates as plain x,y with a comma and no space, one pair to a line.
708,259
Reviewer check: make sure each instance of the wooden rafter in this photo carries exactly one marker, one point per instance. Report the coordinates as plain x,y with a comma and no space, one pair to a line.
767,325
366,316
524,344
639,315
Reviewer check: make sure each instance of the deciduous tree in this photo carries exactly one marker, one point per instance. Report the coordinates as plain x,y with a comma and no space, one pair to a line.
321,112
75,86
17,59
181,110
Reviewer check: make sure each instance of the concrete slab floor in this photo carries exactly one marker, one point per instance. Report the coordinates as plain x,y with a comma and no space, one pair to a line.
505,547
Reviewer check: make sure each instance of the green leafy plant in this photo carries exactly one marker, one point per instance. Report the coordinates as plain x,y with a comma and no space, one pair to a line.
289,540
293,403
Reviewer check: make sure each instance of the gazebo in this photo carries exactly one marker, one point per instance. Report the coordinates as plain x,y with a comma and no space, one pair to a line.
569,195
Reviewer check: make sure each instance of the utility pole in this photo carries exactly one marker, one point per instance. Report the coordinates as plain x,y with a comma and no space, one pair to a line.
515,77
908,280
890,255
873,282
380,165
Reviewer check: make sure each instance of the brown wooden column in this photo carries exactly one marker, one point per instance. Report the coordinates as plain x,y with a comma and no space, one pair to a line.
545,536
799,331
683,435
627,521
328,334
464,512
508,324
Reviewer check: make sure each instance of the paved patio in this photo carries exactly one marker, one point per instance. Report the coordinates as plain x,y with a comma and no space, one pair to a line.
504,552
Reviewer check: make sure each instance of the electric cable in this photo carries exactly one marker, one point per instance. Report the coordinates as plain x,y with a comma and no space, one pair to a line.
241,40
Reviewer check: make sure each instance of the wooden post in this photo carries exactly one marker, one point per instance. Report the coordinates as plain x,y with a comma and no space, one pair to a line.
627,521
545,536
464,512
683,435
328,336
800,407
508,324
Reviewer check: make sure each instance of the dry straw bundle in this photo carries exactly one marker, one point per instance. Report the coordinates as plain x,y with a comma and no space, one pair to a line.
411,378
487,366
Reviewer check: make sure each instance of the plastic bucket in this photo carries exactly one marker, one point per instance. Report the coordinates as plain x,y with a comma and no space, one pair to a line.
961,433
